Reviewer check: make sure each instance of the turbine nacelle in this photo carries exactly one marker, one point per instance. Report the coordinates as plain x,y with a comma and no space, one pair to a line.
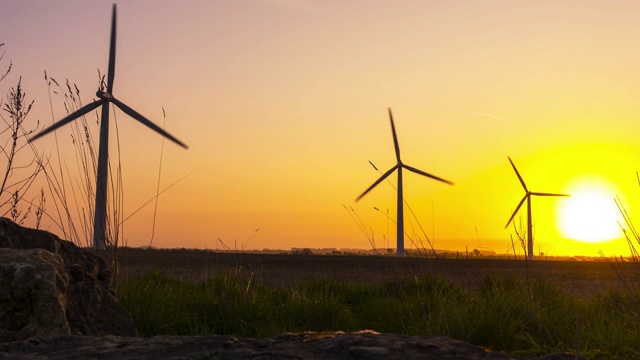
104,95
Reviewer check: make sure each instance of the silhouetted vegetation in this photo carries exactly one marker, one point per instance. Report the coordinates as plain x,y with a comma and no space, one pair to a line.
20,169
499,314
570,306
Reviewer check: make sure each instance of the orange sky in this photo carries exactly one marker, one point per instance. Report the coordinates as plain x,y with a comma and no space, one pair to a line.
284,102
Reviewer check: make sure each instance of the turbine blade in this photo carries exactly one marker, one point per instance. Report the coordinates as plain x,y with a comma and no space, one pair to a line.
74,115
112,53
420,172
373,165
129,111
547,194
384,176
517,208
395,137
519,177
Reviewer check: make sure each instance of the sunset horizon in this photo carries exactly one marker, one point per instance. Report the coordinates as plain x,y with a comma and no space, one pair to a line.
286,105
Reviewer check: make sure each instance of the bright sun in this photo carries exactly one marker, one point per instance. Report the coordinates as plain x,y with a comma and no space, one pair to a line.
590,213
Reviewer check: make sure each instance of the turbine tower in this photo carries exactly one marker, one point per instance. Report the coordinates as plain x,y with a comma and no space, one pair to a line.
527,197
400,208
105,98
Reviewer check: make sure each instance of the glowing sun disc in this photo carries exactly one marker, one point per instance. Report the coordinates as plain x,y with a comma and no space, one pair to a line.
590,213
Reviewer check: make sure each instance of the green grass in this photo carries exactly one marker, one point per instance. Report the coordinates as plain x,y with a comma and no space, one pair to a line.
501,314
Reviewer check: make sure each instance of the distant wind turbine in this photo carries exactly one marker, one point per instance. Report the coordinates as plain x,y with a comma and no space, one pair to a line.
399,165
527,197
99,224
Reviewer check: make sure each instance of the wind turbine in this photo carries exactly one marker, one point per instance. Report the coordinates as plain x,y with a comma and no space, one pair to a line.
400,208
105,98
527,197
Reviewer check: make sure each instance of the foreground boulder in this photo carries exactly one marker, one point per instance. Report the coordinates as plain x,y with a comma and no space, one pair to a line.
90,303
32,301
366,345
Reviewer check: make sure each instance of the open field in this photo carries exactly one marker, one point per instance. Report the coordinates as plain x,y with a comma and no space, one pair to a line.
540,307
283,270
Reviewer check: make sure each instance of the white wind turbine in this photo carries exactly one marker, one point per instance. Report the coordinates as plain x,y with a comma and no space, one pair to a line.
527,197
105,98
399,166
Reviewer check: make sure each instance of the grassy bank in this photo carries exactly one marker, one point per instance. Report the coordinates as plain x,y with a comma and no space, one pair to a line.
503,313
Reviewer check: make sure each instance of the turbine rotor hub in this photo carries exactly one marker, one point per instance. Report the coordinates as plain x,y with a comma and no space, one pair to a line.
104,95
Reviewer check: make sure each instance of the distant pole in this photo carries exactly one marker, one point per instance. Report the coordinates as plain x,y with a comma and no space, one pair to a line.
100,214
400,226
530,230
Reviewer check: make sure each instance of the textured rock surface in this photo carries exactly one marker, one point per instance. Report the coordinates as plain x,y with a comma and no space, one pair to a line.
285,346
90,302
32,294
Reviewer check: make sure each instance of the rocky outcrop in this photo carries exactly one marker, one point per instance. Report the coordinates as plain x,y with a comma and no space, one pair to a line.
32,300
91,306
285,346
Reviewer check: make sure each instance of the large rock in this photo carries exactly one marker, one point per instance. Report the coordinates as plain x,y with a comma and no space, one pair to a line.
91,306
32,301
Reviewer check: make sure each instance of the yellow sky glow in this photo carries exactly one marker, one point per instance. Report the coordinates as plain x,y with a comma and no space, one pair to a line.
283,104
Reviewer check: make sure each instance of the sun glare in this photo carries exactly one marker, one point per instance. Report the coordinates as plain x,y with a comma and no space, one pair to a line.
590,213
